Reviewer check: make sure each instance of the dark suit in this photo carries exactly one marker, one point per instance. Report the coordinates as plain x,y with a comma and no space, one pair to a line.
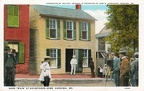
134,72
92,68
9,69
124,72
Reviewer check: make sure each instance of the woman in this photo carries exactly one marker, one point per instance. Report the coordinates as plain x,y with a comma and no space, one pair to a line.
45,76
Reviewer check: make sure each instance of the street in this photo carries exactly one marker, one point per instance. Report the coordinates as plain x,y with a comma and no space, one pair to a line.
67,82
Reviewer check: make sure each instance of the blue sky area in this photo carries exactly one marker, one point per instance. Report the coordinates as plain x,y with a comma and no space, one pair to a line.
84,7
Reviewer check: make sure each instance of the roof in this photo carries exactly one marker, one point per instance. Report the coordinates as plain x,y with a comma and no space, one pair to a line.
103,33
62,12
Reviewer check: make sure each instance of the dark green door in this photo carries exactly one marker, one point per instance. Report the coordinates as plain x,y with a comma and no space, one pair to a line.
79,55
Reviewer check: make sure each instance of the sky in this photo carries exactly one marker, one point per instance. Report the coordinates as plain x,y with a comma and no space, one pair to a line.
97,11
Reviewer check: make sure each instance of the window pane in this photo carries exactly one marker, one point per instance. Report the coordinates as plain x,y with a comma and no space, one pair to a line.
69,34
54,58
53,62
85,58
85,63
84,35
53,24
52,33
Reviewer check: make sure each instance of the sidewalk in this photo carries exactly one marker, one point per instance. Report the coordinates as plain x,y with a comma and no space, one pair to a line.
54,76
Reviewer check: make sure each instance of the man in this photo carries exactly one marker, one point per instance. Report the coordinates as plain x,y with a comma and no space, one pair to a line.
134,70
9,67
116,68
92,68
73,63
124,68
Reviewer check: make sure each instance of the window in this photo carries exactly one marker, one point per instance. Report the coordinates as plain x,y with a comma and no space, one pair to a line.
85,58
69,28
12,16
53,28
55,57
19,47
84,31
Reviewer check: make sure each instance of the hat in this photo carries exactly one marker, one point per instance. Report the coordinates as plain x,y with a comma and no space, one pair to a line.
122,52
47,57
136,54
7,48
74,56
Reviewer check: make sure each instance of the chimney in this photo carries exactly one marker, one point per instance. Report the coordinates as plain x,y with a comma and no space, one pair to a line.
78,6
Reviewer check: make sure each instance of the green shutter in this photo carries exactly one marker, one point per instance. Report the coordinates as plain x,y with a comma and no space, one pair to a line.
74,32
64,30
80,60
59,58
89,31
80,31
21,52
89,56
47,52
13,16
47,29
58,29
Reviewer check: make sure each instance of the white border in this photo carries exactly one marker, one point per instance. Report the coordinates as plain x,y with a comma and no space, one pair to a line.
141,38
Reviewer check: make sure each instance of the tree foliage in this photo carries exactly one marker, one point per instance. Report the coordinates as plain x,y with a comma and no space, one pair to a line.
123,20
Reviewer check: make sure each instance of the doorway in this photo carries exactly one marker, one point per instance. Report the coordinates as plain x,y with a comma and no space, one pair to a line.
79,57
69,54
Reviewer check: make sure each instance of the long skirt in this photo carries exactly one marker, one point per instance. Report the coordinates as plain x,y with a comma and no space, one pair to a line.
46,81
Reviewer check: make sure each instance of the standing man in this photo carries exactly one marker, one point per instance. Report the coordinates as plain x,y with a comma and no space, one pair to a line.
73,63
9,67
124,68
134,69
116,68
92,68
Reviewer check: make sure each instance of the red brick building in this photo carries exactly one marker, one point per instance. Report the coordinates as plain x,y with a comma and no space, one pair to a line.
16,33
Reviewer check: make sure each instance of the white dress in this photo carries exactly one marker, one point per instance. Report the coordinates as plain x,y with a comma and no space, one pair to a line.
45,71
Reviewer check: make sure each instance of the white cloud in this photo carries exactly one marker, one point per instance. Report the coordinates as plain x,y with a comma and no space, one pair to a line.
100,15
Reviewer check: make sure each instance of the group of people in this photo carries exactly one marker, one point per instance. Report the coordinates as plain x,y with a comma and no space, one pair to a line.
10,61
124,72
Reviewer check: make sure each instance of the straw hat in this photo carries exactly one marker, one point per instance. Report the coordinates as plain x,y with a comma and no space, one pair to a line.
46,58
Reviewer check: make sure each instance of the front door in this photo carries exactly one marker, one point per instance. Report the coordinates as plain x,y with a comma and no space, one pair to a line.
69,54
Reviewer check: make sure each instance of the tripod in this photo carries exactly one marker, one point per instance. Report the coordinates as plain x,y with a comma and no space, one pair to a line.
108,75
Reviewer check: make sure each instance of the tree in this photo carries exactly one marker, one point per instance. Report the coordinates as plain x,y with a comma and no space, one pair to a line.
123,20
